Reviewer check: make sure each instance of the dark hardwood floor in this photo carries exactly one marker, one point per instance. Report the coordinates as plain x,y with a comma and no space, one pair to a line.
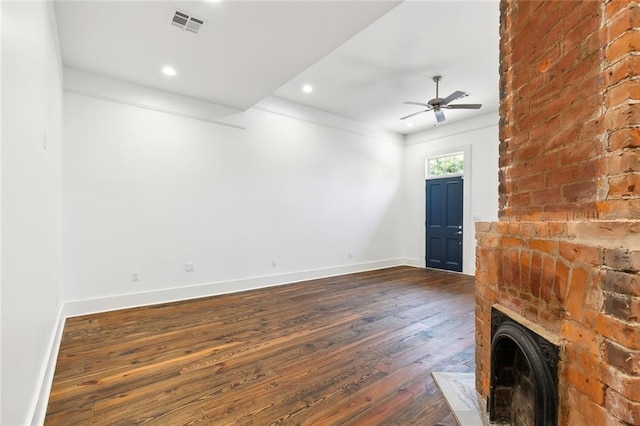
354,349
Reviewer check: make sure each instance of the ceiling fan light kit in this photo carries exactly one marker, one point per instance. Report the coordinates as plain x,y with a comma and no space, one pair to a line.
437,104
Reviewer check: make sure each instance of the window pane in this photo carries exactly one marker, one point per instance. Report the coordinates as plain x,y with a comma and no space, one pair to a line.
446,165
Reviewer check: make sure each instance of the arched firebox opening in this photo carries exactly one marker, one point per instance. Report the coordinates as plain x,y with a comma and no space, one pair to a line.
524,375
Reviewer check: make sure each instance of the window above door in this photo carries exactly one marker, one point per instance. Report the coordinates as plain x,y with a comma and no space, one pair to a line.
445,165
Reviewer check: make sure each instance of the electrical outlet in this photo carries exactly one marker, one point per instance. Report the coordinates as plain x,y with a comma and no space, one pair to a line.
350,255
135,276
189,267
273,263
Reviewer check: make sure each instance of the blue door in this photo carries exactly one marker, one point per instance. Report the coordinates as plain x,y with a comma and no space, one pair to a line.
444,223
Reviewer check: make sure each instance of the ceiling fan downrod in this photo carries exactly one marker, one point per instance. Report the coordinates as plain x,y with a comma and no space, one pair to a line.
436,79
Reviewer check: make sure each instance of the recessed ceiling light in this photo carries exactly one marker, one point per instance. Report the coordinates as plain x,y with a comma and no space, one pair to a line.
409,124
307,88
169,71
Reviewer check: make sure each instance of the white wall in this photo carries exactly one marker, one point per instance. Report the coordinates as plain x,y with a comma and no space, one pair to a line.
31,254
149,192
478,138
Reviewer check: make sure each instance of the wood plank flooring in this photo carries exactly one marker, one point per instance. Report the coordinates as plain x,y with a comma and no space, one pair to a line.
355,349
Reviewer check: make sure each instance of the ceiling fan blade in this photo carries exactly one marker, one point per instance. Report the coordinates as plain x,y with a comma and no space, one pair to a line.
463,106
417,103
415,113
455,95
439,115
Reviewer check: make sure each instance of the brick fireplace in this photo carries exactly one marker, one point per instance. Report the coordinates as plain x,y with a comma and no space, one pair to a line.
564,258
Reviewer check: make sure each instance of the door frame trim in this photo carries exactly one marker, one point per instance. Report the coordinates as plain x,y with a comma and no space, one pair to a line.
469,235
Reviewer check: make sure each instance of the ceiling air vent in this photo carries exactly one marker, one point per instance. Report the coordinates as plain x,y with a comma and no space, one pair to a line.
186,22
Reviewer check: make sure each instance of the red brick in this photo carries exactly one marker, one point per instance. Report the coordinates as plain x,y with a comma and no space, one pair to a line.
627,43
593,301
624,333
591,131
585,339
544,196
529,183
557,229
618,209
576,32
525,230
581,410
588,363
623,161
494,267
515,267
621,306
591,44
625,359
548,278
593,170
545,246
510,242
586,384
623,93
577,291
580,253
622,259
622,282
623,116
512,228
625,385
626,186
579,151
536,166
616,6
501,227
561,284
592,87
536,273
587,107
628,67
634,309
579,191
507,277
570,211
525,271
555,140
628,411
522,199
540,229
528,151
622,22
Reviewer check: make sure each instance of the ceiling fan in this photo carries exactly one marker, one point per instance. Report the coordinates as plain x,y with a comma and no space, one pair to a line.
438,104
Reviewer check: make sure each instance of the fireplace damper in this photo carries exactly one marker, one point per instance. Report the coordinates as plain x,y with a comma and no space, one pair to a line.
524,375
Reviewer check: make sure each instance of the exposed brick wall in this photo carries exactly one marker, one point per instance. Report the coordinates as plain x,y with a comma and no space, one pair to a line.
621,165
574,280
566,252
570,125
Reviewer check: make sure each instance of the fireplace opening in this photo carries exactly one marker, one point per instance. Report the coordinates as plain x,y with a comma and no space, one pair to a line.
524,375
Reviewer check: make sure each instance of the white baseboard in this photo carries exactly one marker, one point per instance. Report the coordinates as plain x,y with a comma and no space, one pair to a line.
418,263
132,300
41,399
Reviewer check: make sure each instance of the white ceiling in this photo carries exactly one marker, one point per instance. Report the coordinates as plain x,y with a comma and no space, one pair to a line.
364,58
